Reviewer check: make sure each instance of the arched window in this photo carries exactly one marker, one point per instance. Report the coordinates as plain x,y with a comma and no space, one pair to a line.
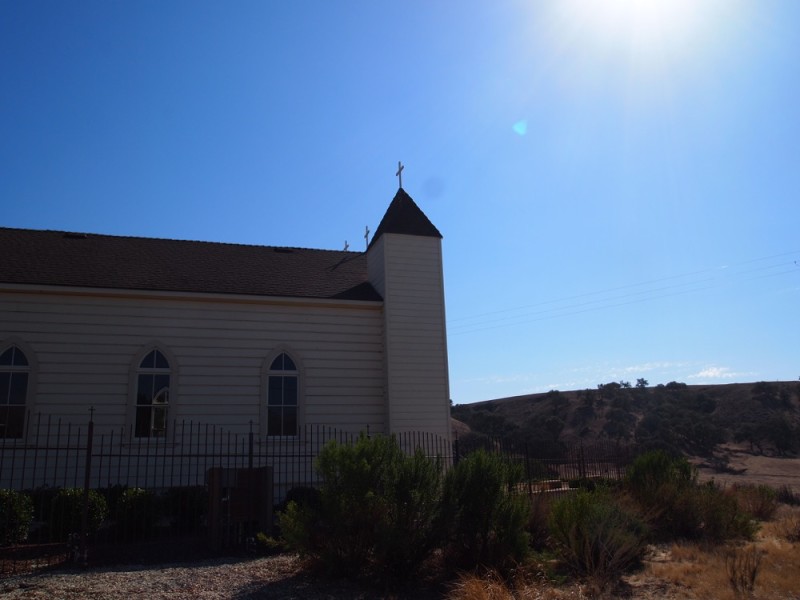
282,395
14,371
152,396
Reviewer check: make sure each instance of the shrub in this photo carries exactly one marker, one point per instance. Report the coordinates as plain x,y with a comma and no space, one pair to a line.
595,536
676,506
66,512
376,511
759,501
656,473
302,495
538,519
186,507
742,566
16,514
484,514
136,513
301,530
788,527
707,513
409,530
786,495
659,483
266,544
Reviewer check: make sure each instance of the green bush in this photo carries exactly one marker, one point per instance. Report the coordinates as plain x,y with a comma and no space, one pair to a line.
302,495
16,514
136,513
376,511
759,501
66,513
484,513
676,506
656,472
595,536
537,527
186,508
662,486
410,528
301,530
706,512
266,545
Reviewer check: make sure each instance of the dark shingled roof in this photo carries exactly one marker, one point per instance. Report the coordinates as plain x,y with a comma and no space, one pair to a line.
103,261
404,216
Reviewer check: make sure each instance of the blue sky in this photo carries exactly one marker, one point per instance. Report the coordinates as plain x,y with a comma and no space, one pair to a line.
616,180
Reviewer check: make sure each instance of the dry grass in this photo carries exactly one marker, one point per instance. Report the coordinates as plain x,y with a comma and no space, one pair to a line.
705,573
785,526
684,571
760,501
492,587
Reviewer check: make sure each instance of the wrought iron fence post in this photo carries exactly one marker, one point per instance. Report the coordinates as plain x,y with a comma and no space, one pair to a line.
87,480
528,469
250,448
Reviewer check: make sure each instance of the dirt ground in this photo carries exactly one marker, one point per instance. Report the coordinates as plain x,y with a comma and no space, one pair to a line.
744,467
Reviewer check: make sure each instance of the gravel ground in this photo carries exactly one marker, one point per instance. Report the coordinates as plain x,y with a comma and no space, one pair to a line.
278,577
232,579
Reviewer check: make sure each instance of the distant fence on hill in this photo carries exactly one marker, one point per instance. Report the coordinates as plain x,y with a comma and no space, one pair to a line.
548,464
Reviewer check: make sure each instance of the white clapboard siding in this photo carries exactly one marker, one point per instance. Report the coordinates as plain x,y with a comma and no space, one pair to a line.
407,271
86,346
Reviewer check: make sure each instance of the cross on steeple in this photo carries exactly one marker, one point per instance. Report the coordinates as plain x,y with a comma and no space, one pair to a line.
399,173
366,236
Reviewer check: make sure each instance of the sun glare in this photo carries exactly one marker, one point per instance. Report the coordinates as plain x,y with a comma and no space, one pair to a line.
652,20
651,33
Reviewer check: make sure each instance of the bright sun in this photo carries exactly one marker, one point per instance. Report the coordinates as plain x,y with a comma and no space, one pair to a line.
649,31
643,17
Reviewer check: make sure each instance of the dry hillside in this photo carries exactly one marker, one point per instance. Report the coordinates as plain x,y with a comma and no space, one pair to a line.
763,418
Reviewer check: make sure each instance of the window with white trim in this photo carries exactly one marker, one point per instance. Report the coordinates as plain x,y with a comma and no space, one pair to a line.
282,397
14,372
152,395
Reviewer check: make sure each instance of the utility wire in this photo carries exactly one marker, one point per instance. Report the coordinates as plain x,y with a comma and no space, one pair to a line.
622,295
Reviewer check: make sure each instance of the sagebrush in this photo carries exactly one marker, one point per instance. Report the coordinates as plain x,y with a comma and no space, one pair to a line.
67,512
377,510
16,514
676,506
485,516
596,536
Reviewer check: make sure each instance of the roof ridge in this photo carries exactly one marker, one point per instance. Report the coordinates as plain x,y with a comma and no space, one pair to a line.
175,240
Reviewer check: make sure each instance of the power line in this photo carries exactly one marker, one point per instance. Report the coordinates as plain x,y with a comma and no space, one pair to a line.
620,295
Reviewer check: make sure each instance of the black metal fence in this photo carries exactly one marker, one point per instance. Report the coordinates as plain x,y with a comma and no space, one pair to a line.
549,466
202,487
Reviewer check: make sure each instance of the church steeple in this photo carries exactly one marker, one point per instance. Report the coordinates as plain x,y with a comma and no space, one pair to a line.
404,217
404,265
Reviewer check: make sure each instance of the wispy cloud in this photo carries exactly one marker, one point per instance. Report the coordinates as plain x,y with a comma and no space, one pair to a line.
603,373
715,373
498,378
583,376
649,367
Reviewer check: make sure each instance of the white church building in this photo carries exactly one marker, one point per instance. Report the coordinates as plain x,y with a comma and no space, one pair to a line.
150,332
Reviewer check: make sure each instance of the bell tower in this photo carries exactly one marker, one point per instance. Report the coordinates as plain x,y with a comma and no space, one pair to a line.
404,262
